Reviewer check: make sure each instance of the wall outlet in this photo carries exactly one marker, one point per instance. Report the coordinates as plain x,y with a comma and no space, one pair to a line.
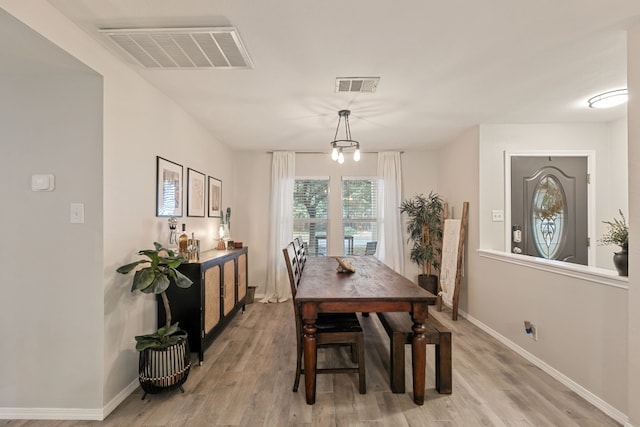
531,330
534,333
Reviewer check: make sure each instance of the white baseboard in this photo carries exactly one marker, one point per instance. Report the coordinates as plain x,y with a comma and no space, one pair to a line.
51,414
568,382
68,413
119,398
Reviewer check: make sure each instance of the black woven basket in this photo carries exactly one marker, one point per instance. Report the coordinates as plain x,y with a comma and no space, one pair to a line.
164,369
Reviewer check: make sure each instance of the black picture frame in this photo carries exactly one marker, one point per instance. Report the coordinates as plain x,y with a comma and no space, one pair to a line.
168,188
195,193
215,198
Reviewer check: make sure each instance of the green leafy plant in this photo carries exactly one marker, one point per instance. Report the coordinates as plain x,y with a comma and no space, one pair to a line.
617,232
424,227
158,273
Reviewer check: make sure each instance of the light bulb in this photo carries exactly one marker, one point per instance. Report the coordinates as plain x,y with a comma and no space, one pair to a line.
334,154
356,155
340,157
221,231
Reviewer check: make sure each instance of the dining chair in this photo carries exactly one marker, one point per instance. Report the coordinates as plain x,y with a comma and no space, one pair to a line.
371,248
333,329
302,255
297,244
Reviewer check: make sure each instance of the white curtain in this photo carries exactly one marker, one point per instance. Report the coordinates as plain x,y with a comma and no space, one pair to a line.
280,225
390,247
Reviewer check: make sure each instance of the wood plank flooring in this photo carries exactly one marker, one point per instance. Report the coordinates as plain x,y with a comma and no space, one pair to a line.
248,372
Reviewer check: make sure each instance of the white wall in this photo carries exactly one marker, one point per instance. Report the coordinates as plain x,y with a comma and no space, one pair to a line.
252,176
140,124
458,183
633,79
110,157
609,142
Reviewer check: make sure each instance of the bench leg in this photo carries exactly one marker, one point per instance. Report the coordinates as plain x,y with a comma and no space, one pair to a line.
443,364
361,371
396,362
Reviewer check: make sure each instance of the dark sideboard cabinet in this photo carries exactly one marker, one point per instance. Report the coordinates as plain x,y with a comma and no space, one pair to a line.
218,292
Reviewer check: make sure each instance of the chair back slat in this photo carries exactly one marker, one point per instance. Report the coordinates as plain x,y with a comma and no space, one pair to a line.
371,248
302,258
293,268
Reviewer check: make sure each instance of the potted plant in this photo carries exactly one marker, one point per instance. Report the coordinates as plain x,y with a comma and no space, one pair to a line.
164,361
424,227
618,234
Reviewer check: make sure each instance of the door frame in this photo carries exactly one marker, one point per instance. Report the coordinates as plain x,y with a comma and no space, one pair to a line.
591,193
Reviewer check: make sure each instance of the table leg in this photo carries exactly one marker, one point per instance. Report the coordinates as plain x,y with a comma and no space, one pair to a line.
418,358
310,360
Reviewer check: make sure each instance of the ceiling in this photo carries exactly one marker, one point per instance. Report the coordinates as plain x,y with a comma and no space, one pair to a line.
444,66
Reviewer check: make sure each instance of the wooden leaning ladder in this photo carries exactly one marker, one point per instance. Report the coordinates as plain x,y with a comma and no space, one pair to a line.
458,261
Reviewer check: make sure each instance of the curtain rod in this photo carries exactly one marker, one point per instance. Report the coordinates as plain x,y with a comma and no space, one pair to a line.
329,153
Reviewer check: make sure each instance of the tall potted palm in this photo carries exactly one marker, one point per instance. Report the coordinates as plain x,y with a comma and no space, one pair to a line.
164,360
424,229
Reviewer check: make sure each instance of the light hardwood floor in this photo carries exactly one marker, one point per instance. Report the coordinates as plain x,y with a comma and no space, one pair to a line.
248,373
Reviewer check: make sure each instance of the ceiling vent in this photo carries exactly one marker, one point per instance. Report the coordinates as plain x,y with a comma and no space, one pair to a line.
357,84
180,48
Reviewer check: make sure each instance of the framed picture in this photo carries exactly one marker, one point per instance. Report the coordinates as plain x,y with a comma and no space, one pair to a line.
195,193
168,188
215,197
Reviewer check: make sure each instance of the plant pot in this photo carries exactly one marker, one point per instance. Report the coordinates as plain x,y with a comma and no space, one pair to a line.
428,282
164,369
621,261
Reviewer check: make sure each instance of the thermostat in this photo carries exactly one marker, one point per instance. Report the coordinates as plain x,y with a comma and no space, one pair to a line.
42,182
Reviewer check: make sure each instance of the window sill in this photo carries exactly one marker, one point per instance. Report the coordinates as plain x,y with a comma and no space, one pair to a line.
591,274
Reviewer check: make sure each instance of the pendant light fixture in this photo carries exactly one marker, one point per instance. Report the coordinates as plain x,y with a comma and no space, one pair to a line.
339,146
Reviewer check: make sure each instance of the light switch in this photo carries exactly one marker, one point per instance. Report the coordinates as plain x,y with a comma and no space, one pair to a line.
497,216
77,213
40,182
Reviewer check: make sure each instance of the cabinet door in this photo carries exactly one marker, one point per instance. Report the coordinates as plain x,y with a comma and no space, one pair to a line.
211,298
229,286
242,276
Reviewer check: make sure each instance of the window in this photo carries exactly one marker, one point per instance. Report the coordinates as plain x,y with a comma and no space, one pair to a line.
547,217
359,214
310,213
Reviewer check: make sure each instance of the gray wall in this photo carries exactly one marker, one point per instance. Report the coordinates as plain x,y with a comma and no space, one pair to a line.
579,318
51,304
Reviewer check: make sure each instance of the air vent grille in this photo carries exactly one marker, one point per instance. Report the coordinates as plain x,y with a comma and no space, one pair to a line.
357,84
176,48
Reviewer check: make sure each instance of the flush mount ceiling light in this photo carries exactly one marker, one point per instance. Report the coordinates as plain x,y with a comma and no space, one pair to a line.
609,99
339,146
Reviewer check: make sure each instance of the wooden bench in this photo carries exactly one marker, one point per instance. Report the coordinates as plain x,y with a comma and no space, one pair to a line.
398,327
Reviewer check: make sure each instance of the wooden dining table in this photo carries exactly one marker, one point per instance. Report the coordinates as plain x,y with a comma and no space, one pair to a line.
372,288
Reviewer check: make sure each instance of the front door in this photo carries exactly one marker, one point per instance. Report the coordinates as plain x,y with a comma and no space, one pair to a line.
549,207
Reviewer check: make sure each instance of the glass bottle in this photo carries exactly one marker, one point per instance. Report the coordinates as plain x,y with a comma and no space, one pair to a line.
193,248
182,242
173,233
